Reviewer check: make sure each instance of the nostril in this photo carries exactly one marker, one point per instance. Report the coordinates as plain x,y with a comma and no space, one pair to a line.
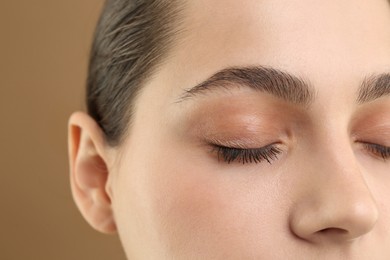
333,231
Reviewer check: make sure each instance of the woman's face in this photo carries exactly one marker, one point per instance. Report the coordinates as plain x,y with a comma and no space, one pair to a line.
256,163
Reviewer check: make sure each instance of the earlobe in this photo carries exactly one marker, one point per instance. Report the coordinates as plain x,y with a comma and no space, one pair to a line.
89,172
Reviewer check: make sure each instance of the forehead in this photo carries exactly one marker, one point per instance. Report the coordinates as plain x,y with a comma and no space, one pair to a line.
297,35
334,44
236,22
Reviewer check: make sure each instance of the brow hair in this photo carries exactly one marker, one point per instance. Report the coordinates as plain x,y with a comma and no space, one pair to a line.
374,87
281,84
276,82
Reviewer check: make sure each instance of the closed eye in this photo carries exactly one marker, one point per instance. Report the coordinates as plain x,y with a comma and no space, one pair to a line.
380,151
241,155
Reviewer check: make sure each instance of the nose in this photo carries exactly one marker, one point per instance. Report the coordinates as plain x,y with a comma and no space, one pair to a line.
334,202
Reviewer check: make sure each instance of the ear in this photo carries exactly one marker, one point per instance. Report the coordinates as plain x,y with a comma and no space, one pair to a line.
89,172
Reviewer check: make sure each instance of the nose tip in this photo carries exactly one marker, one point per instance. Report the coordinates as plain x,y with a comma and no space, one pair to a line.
334,202
337,222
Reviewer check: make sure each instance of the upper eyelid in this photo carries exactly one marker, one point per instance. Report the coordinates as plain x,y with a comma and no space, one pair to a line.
240,146
374,145
244,148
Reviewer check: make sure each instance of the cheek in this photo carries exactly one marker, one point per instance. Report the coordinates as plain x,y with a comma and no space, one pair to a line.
198,208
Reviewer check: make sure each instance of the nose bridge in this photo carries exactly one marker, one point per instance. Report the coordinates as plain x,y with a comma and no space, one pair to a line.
336,203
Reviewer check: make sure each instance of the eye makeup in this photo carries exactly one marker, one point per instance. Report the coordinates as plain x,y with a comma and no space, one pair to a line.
241,130
371,128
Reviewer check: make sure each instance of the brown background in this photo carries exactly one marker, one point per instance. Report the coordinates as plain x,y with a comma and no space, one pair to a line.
44,47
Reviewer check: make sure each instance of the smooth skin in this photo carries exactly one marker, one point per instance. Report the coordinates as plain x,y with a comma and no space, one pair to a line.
326,196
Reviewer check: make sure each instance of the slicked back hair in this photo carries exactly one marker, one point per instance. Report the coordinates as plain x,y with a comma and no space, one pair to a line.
131,38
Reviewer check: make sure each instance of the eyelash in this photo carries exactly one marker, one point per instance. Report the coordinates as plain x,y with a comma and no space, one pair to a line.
240,155
380,151
271,152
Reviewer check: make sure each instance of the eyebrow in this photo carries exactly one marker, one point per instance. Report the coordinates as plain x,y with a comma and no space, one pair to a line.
374,87
281,84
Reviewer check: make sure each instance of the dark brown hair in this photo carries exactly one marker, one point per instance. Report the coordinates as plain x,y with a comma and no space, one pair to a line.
131,38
